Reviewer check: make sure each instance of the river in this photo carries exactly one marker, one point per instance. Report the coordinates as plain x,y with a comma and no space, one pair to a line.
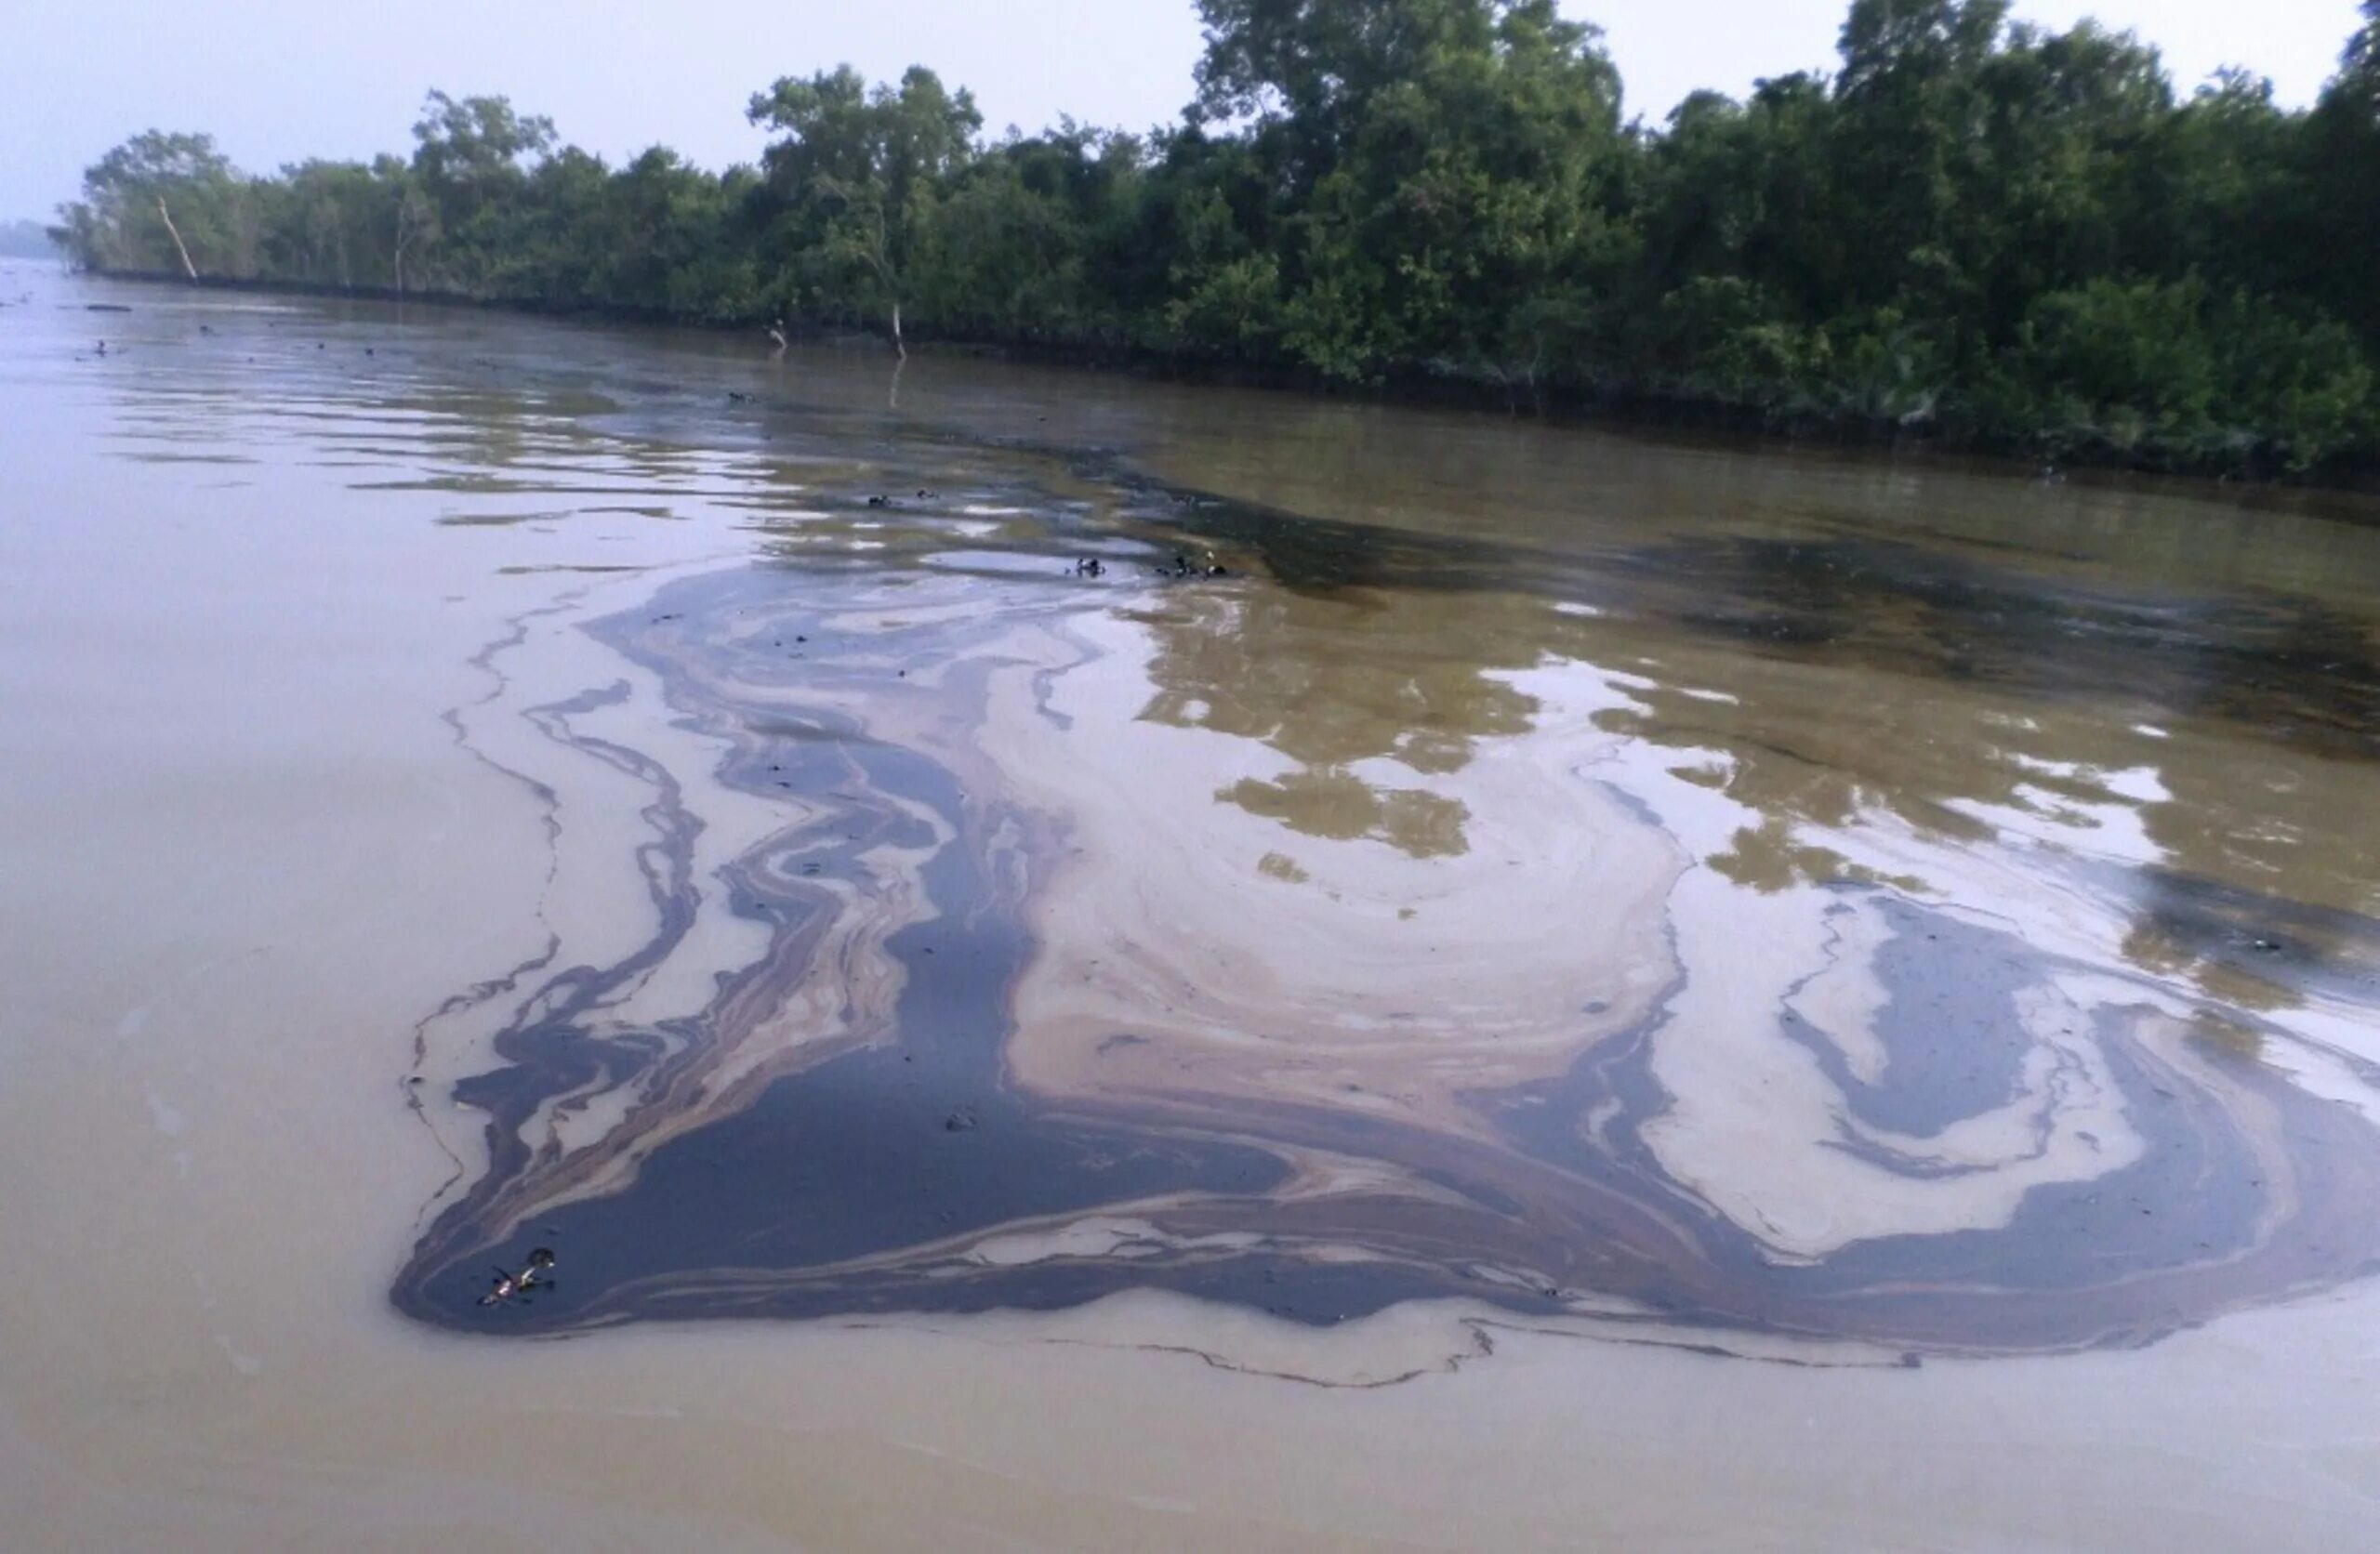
617,939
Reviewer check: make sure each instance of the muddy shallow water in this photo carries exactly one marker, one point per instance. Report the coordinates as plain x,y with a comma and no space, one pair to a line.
1469,984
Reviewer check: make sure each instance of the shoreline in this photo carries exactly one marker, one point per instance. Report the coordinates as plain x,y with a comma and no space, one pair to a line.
1739,429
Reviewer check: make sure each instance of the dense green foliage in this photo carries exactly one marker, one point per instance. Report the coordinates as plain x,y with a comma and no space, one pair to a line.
1975,228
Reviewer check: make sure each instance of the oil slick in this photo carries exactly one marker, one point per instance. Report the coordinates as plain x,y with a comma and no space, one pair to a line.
1487,1001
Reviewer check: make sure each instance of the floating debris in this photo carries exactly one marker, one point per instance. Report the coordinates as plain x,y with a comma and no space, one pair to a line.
516,1287
1185,567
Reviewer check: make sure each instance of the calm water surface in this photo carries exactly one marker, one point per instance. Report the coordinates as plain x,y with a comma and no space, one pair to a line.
1515,985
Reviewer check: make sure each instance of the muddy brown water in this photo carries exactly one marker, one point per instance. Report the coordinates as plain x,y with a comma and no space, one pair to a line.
1470,984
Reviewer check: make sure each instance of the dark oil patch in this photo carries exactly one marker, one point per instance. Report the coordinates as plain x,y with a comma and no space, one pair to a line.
861,1182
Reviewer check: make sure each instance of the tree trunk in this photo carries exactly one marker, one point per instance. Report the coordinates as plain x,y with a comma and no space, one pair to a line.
175,232
897,346
404,241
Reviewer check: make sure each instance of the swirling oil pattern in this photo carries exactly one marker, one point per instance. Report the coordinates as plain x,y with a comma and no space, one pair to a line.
1314,913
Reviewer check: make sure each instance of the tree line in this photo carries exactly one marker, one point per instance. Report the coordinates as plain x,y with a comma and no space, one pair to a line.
1980,229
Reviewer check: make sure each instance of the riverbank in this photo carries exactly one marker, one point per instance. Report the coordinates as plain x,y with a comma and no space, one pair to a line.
1748,428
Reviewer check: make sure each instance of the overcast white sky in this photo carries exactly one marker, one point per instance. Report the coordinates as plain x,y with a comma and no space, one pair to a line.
275,80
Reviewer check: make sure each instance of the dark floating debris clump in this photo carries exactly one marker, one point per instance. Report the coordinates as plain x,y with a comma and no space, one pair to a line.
1185,567
515,1285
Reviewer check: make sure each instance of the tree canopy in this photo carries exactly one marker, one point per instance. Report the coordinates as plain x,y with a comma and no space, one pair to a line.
1975,228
